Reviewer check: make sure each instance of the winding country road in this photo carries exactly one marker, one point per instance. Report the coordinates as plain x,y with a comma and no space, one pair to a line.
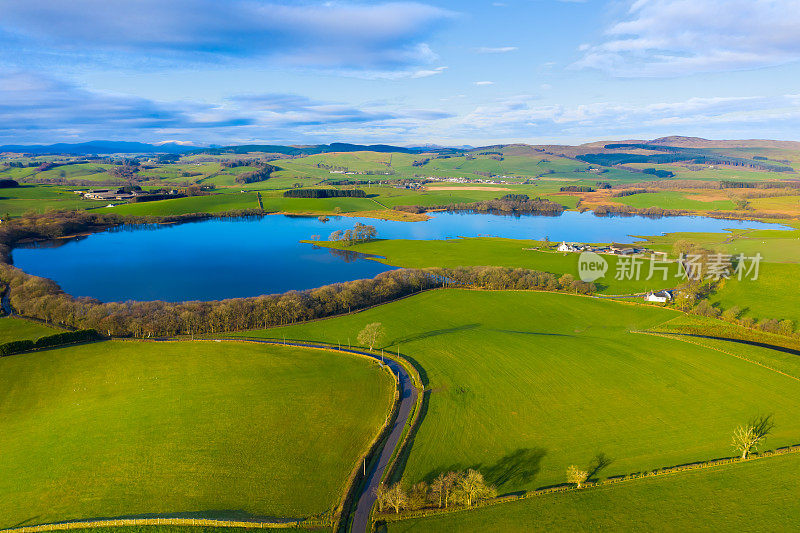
408,397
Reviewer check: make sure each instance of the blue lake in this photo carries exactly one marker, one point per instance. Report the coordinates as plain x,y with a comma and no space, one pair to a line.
229,258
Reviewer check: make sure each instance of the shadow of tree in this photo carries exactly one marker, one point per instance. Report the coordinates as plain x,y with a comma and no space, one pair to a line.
536,333
600,462
435,333
517,468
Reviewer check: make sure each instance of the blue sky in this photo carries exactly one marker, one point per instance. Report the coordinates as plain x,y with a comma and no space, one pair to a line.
445,72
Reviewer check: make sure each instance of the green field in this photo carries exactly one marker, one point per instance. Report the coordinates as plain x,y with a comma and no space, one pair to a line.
40,198
208,429
775,246
17,329
184,529
513,253
675,200
522,384
753,496
215,203
772,295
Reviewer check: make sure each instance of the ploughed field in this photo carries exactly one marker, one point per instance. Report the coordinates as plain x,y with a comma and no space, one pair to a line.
753,496
522,385
206,429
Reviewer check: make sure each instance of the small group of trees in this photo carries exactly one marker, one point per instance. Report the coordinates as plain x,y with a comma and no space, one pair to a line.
449,488
733,314
359,233
706,272
577,188
254,176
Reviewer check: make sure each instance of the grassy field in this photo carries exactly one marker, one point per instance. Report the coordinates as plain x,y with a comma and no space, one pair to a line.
675,200
772,295
18,329
754,496
501,252
210,429
184,529
521,385
775,246
40,198
215,203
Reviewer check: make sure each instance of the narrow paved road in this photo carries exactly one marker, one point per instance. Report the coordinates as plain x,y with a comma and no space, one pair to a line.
408,397
6,304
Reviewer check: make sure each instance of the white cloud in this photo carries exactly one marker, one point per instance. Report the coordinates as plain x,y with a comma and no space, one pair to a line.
313,34
496,50
34,108
484,83
676,37
523,116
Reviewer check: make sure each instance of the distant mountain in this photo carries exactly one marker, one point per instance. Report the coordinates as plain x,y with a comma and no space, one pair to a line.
301,150
99,147
699,142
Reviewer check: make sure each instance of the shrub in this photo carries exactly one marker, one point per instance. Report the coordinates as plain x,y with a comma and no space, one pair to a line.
13,347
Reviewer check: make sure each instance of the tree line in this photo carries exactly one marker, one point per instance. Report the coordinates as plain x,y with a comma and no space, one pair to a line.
538,206
324,193
43,299
449,488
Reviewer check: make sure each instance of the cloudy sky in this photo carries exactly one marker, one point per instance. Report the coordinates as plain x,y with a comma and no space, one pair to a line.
447,72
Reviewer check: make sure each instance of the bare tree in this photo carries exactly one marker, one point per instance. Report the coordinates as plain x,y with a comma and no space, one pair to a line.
382,496
748,437
473,488
371,334
576,475
396,497
418,496
442,487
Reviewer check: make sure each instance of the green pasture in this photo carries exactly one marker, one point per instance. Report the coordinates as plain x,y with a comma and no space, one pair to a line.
773,295
40,198
520,385
473,165
189,529
775,246
492,251
12,173
213,203
276,202
783,362
203,429
81,172
753,496
186,529
19,329
675,200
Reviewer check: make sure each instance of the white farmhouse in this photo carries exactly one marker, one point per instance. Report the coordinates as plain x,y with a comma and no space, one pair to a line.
661,297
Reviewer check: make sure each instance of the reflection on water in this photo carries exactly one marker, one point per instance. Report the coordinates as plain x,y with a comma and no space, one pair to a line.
227,258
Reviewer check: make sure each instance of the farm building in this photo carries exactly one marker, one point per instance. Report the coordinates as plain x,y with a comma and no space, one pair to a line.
659,297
